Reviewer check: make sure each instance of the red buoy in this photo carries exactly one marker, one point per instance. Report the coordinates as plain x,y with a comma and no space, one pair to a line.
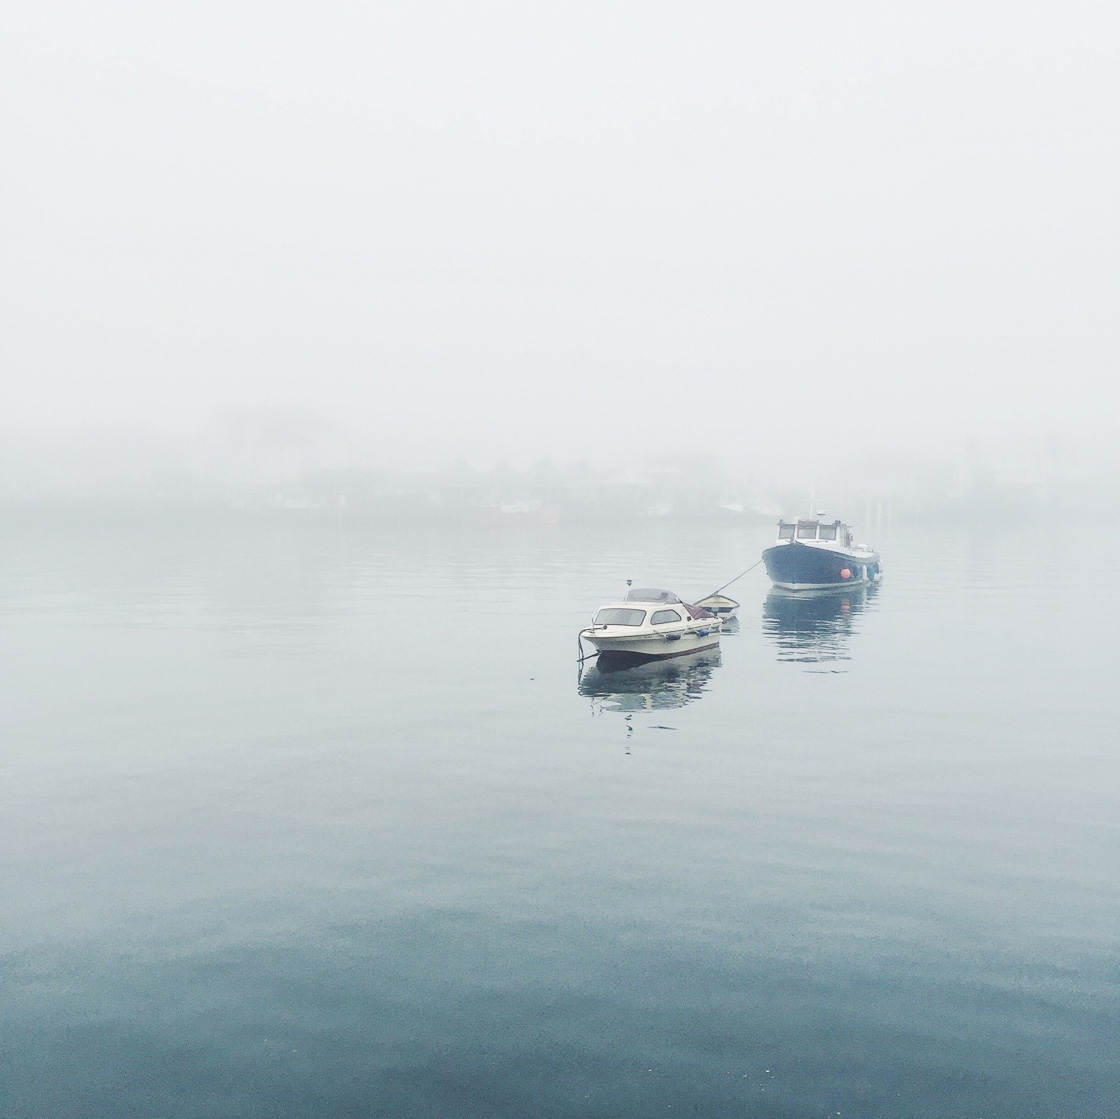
845,573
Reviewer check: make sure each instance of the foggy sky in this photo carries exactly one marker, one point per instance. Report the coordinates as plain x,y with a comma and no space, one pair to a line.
576,230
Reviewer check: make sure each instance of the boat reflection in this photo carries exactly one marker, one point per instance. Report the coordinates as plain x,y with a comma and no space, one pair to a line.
621,685
814,626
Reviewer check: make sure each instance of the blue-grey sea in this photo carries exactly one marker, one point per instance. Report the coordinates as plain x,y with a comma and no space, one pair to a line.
300,817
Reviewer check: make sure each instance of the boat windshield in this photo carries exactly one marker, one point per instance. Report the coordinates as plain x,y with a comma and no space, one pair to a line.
807,531
785,532
649,594
619,616
828,532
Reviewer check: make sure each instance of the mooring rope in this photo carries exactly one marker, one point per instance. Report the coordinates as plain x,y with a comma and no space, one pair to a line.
730,581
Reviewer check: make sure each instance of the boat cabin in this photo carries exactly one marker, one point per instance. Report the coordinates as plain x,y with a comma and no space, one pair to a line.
812,529
668,608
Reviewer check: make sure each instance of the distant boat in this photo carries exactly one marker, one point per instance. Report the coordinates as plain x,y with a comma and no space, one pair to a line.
814,554
720,605
651,624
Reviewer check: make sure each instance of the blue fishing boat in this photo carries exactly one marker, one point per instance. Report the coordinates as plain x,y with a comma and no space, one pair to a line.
813,554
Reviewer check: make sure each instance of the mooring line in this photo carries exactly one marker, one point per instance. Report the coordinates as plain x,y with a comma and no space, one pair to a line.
730,581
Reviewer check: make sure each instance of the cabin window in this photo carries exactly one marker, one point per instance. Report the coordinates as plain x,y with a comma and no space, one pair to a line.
619,616
806,532
828,532
662,617
785,532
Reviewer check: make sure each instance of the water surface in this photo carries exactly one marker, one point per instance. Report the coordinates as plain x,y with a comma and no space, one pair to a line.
306,818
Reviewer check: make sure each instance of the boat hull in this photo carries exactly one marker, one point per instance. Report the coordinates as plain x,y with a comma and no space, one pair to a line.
623,683
799,567
655,646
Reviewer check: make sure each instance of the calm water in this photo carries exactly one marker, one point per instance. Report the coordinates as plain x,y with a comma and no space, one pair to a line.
306,820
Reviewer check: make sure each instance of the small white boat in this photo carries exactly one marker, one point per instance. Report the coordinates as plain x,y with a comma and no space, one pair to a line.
720,605
652,624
